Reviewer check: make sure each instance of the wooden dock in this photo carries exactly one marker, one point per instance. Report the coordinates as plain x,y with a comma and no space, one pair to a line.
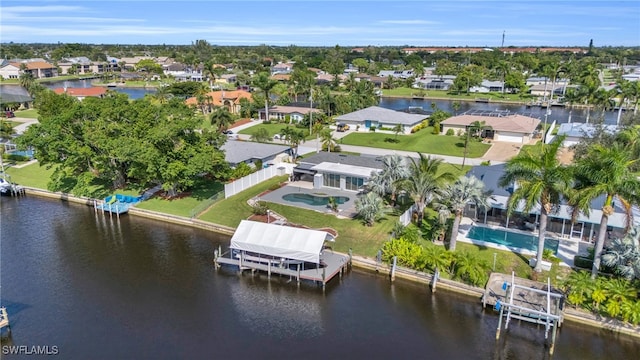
332,264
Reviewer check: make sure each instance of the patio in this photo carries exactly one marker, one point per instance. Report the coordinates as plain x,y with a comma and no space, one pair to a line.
347,209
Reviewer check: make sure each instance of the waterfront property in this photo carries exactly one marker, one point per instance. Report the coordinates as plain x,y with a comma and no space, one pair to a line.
236,152
280,113
301,194
375,117
290,251
81,93
575,132
337,171
230,100
508,128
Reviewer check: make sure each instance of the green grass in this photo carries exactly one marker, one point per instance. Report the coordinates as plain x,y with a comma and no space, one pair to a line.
30,113
202,191
231,211
352,234
423,141
32,175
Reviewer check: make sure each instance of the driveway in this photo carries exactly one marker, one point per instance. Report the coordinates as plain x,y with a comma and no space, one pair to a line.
502,151
24,124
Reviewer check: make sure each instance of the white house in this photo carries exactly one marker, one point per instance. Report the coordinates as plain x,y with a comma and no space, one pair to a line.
577,131
10,71
337,171
295,113
377,117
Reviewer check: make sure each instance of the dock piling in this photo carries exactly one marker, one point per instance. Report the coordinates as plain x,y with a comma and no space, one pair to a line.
393,269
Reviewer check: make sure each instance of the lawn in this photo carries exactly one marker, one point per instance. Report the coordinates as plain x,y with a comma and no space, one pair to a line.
423,141
231,211
183,206
32,175
30,113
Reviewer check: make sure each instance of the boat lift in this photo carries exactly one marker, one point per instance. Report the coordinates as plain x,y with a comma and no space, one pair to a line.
550,316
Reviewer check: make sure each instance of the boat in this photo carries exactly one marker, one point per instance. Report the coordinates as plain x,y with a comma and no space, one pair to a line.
9,189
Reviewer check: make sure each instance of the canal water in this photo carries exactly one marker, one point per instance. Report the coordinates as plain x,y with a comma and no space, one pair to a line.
100,288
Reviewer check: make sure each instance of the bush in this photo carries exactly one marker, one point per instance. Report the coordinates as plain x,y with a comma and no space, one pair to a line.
582,262
450,132
275,186
484,163
436,128
260,208
15,157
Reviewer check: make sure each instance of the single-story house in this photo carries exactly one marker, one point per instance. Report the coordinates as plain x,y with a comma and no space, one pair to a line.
230,99
81,93
584,228
545,90
337,171
295,113
227,79
376,117
508,128
577,131
434,84
487,86
10,71
398,74
236,152
282,68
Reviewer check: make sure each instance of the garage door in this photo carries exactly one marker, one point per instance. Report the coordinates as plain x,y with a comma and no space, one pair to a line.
509,137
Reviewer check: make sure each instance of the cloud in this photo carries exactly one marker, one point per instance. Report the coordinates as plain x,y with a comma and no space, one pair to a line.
41,9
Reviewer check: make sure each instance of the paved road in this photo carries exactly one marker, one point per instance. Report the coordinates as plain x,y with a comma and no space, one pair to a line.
24,124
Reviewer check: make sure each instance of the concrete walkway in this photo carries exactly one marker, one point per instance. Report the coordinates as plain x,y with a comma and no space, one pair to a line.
24,124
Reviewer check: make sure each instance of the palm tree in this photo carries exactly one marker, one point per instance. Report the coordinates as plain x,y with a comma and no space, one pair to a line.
624,255
474,129
453,198
540,179
470,267
626,90
328,142
399,128
370,207
437,257
221,119
605,171
292,137
423,181
264,82
394,170
210,72
26,80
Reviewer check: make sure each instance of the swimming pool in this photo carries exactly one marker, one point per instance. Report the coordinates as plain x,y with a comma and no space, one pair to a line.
511,239
314,200
26,153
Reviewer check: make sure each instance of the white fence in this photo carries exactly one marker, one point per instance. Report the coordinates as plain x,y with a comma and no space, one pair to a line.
257,177
406,217
548,135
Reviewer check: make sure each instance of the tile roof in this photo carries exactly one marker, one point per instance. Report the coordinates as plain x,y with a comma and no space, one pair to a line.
36,65
511,123
291,109
81,92
383,115
218,96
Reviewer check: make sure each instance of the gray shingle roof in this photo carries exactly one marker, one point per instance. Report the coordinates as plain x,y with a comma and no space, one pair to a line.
14,93
376,113
240,151
362,160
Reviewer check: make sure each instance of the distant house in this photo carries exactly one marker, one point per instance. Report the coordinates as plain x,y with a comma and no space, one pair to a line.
229,99
487,86
81,93
510,128
337,171
10,71
236,152
281,77
295,113
376,117
435,83
546,90
575,132
38,69
14,94
282,68
227,79
398,74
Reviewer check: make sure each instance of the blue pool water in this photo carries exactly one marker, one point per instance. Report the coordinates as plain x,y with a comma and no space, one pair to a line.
511,239
28,153
313,200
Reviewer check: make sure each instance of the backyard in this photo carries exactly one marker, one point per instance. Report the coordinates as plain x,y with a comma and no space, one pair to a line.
423,141
274,128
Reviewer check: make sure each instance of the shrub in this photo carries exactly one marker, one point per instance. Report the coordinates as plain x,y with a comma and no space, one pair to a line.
484,163
582,262
436,128
450,132
15,157
259,208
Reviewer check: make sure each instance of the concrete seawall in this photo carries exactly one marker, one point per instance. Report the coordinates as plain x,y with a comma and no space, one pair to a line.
570,314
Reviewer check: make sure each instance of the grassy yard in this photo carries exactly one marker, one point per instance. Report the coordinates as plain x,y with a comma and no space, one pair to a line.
30,113
32,175
423,141
230,211
202,191
273,128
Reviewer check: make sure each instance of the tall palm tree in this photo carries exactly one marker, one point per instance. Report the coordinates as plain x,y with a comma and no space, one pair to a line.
328,142
453,198
394,170
264,82
605,171
425,178
474,129
626,90
221,119
540,179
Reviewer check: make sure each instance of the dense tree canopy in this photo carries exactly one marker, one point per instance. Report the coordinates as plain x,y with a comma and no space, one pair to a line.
116,141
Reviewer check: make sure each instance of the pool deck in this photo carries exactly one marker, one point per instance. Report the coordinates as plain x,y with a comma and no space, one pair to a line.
347,210
567,249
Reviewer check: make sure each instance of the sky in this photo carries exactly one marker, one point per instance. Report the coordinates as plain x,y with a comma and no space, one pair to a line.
324,23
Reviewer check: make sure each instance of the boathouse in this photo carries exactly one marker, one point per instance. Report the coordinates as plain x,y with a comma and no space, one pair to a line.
291,251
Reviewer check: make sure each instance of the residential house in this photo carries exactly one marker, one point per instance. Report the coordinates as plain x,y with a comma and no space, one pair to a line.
377,117
508,128
435,82
337,171
487,86
546,90
398,74
295,113
282,68
227,79
236,152
561,223
81,93
38,69
575,132
229,99
10,71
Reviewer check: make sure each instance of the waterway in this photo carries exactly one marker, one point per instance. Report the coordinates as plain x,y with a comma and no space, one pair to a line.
100,288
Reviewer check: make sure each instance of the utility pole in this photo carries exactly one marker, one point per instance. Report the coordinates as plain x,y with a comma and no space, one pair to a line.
503,33
311,111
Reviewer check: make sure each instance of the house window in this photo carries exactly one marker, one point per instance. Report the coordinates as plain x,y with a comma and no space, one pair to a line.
354,183
331,180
